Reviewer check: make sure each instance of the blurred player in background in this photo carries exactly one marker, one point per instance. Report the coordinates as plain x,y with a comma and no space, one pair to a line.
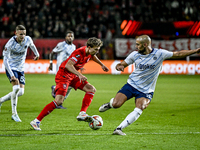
14,55
63,51
68,75
141,83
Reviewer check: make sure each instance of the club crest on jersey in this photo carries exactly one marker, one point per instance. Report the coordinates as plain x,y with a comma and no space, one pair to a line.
154,58
5,49
77,56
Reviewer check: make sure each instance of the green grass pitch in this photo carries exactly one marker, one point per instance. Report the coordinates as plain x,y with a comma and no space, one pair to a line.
171,121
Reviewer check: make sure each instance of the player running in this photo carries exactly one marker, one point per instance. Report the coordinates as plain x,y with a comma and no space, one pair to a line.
14,59
68,75
63,51
141,83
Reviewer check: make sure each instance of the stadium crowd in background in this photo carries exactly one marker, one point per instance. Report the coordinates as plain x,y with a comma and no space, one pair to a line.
88,18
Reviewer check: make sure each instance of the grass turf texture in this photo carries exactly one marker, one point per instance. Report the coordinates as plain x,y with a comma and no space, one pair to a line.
171,121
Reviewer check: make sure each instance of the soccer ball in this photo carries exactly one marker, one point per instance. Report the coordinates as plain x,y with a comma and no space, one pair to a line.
97,122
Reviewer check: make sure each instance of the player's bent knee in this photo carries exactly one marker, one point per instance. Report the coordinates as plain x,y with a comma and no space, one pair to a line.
91,89
59,102
59,99
144,105
116,104
94,89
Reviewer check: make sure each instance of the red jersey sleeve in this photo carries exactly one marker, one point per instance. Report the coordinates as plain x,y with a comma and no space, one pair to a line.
79,57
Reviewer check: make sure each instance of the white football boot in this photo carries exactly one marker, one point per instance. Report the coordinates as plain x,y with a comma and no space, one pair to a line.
35,125
84,117
16,118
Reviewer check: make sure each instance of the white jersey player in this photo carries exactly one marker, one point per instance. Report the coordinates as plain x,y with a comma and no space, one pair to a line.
63,51
147,69
14,55
141,83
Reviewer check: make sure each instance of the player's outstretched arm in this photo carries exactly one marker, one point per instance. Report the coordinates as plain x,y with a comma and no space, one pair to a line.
184,53
121,66
96,59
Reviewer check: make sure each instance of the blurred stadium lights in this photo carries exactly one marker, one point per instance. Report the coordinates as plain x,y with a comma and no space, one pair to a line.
179,28
177,33
195,29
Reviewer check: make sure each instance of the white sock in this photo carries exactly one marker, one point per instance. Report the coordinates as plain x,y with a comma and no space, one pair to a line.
36,120
14,98
111,101
132,117
6,97
21,92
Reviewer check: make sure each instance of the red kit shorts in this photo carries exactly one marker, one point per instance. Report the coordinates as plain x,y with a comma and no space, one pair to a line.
63,82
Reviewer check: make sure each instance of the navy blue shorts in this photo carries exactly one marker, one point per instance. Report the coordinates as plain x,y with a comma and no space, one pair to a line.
131,92
19,75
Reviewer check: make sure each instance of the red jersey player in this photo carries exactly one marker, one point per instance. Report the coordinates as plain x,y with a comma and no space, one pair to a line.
68,75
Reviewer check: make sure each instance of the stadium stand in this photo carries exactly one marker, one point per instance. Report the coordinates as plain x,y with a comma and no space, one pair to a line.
51,18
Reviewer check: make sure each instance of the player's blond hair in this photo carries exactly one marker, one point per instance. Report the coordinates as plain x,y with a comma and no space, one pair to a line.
94,42
20,27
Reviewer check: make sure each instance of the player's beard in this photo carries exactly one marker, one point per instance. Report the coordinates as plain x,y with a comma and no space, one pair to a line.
142,51
69,42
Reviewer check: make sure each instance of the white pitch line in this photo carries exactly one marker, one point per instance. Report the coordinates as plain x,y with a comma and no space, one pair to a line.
49,134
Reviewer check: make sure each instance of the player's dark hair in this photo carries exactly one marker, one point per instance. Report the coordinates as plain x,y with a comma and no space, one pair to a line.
94,42
20,27
69,32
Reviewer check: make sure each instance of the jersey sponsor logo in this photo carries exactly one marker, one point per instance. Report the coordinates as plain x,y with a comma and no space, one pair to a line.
154,58
17,53
147,66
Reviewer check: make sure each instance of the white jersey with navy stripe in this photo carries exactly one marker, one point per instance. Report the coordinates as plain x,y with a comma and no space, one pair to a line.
15,53
147,69
63,51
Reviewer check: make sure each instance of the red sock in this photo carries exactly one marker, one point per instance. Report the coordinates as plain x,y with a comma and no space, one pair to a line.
47,110
87,100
